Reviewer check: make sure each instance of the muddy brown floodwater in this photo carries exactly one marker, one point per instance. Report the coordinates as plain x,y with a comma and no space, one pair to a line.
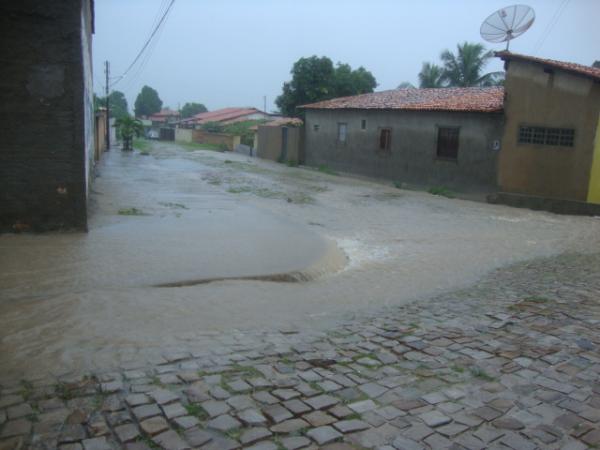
184,242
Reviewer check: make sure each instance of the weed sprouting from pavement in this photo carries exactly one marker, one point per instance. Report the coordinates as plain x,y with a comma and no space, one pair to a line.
131,212
441,191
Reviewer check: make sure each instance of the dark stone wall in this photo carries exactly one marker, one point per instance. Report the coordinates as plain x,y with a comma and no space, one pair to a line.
44,145
413,155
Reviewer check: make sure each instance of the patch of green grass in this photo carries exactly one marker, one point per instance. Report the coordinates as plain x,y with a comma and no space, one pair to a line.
441,191
146,440
141,144
326,169
457,368
478,372
26,390
234,433
292,163
131,212
228,161
245,371
398,184
196,410
173,205
300,198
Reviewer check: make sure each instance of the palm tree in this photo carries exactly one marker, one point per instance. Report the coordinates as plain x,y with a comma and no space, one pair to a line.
431,76
465,68
128,127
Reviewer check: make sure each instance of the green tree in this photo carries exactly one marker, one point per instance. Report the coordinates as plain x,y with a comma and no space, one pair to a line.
315,79
191,109
147,102
465,68
431,76
118,104
128,127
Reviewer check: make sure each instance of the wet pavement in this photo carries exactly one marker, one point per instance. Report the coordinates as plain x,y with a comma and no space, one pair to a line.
397,318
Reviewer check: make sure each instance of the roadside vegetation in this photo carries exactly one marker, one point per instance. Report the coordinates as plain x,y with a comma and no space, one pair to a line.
441,191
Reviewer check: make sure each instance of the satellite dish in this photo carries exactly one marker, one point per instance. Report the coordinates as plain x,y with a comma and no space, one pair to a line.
507,23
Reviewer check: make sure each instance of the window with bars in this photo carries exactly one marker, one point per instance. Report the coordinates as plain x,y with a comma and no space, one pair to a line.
385,139
342,132
363,124
564,137
447,143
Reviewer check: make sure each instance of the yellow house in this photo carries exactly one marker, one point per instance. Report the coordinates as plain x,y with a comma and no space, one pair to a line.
551,140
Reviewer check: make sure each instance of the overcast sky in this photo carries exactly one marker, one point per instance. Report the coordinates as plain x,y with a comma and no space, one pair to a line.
233,52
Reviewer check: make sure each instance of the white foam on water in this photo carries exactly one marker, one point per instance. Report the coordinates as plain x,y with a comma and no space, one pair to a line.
360,253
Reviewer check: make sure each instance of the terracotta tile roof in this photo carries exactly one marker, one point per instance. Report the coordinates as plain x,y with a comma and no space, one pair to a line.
471,99
221,115
579,69
280,121
166,113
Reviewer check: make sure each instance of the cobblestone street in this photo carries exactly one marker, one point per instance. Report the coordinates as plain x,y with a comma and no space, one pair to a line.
509,363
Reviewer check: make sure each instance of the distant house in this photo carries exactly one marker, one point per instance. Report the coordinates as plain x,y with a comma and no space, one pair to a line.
429,137
551,145
164,117
223,116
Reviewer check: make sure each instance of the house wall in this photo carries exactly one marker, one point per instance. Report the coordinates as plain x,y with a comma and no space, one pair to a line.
46,150
183,134
594,187
562,100
101,124
412,158
270,140
228,140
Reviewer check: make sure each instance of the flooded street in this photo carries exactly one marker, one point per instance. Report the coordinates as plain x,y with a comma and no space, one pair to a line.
187,242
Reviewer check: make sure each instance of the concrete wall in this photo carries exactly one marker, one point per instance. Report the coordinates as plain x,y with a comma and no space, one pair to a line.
594,186
100,135
46,150
412,157
561,100
183,134
269,143
228,140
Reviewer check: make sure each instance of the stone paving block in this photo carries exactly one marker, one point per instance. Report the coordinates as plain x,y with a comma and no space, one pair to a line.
389,412
219,393
10,400
289,426
72,433
163,396
435,419
240,402
321,401
252,417
223,423
170,440
266,445
350,426
592,438
402,443
285,394
372,390
486,413
15,428
319,418
137,399
197,437
516,442
508,423
323,435
98,443
154,425
438,441
215,408
277,413
238,386
18,411
174,410
363,406
145,411
253,435
451,430
127,433
295,442
296,406
340,411
265,398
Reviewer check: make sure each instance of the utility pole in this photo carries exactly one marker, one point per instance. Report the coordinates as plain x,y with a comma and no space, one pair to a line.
107,72
265,103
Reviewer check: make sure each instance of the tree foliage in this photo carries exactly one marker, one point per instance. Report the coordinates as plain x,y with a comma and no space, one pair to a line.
431,76
465,68
118,104
147,102
191,109
315,79
461,69
128,127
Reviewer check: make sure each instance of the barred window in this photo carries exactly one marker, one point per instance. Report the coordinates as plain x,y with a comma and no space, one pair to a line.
385,139
342,132
447,144
564,137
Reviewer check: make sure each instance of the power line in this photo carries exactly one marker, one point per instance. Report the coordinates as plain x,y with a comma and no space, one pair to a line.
156,28
553,21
